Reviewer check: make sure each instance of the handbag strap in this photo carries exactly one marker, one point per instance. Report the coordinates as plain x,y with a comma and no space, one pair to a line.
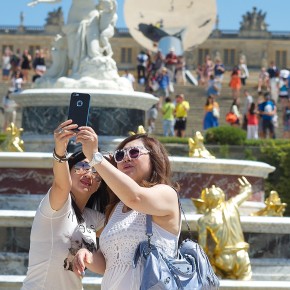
149,232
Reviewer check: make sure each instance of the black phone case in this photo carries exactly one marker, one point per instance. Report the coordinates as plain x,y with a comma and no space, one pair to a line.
79,108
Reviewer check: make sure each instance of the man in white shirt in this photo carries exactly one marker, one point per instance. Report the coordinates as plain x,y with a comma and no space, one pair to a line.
129,77
9,107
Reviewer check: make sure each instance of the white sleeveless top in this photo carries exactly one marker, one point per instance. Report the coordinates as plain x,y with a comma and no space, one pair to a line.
118,243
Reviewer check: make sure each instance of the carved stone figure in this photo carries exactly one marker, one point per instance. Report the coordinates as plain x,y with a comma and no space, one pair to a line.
254,21
220,232
21,18
87,32
55,17
108,19
60,63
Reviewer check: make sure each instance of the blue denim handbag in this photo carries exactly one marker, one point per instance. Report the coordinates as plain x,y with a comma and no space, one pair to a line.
189,270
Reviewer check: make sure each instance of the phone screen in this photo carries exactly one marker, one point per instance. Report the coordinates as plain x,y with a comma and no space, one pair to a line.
79,108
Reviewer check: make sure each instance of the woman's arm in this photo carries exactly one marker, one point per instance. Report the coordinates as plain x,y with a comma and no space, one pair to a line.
95,262
61,185
157,200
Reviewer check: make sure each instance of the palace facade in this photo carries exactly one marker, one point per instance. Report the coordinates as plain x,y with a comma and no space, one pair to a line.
253,41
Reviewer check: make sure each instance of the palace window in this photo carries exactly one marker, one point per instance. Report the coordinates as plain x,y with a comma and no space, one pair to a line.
229,57
202,53
126,55
281,58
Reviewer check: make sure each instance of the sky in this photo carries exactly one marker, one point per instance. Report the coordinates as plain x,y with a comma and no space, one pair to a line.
230,12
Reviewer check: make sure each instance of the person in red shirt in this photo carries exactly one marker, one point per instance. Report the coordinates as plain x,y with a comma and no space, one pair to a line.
171,62
253,122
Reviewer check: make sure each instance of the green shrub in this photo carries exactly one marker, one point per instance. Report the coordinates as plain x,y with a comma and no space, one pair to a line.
2,137
225,135
172,140
279,180
265,142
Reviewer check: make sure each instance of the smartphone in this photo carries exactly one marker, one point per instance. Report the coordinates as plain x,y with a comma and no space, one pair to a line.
79,109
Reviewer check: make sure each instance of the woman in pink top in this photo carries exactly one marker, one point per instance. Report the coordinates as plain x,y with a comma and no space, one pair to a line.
252,127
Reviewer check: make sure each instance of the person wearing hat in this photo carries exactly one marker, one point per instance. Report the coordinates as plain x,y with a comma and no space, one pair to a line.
69,217
171,62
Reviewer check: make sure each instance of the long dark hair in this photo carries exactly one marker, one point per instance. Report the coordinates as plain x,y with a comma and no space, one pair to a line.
161,169
252,109
98,200
208,100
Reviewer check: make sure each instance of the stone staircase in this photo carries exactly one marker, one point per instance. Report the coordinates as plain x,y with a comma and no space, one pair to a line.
196,96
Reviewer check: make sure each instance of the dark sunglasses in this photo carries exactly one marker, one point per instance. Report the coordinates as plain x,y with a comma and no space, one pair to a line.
132,153
83,167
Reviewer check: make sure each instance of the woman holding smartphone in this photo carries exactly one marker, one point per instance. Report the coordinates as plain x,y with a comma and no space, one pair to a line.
68,218
142,185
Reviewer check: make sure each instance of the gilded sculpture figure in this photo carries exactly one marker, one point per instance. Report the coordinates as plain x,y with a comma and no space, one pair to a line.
13,141
274,206
140,130
197,148
220,232
199,203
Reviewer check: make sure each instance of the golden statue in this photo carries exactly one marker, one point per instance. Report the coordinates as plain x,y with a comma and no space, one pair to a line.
140,130
220,233
13,142
197,148
274,207
200,202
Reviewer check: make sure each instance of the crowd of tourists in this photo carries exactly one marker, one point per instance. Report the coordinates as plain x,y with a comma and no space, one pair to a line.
254,108
17,69
259,113
22,67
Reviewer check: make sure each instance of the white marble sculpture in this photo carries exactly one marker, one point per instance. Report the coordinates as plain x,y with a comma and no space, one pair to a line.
85,38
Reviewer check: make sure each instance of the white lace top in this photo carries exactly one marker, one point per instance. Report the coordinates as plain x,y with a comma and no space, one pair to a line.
118,243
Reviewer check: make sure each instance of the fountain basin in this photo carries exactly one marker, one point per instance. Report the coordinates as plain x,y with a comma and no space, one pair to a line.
99,98
112,113
31,173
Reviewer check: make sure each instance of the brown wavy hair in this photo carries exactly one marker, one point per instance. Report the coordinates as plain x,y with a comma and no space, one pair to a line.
161,169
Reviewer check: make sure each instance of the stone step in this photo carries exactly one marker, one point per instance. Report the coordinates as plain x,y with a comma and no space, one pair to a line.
277,269
196,97
250,224
263,269
14,282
